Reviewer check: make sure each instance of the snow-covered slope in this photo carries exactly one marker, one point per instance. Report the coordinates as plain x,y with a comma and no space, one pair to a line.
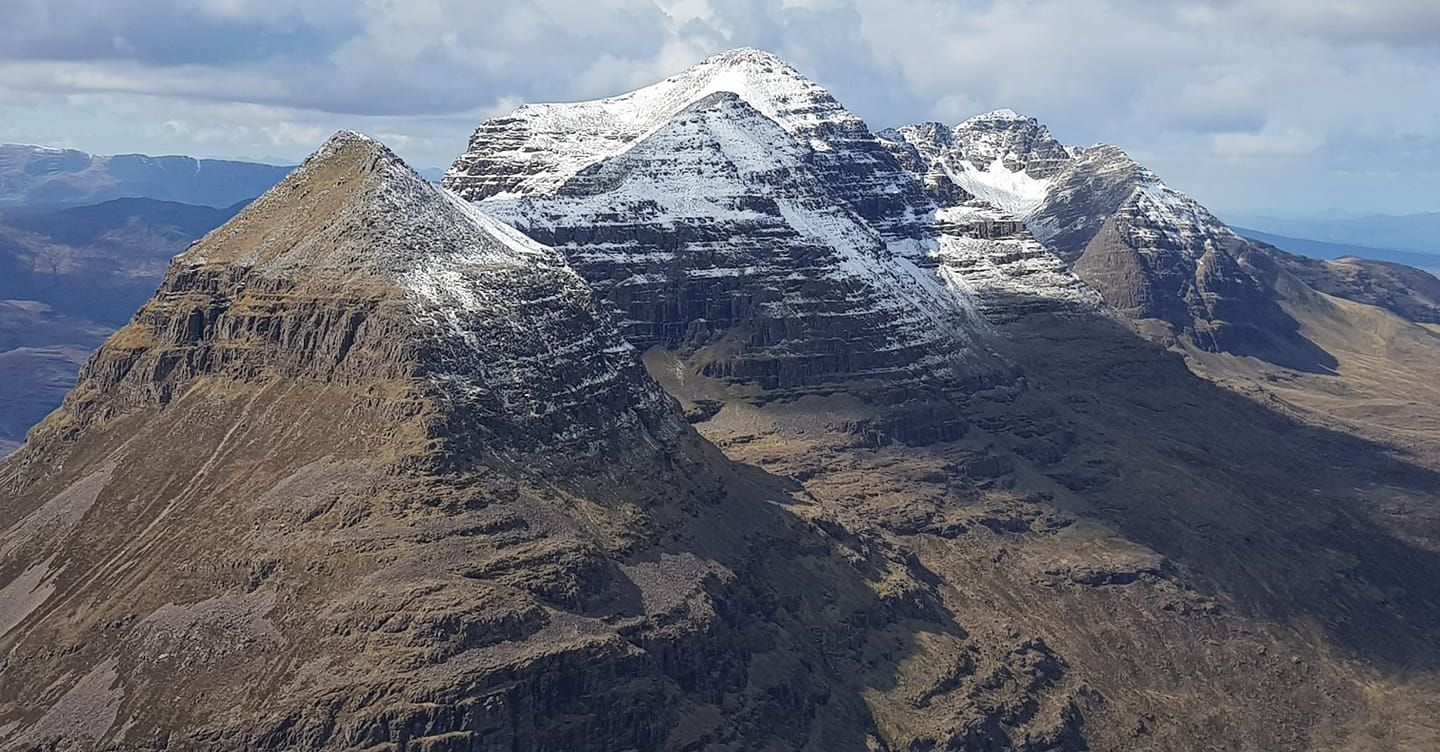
675,199
1011,274
716,226
538,147
983,248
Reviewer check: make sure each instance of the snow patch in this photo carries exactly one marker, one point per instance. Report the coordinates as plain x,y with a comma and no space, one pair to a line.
1016,192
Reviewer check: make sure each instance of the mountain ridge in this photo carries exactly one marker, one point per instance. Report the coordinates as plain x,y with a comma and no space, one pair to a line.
377,465
48,178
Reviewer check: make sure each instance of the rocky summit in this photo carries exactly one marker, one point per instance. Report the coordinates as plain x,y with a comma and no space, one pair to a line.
703,417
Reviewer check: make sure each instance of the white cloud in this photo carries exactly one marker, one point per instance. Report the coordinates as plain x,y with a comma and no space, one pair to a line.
1291,143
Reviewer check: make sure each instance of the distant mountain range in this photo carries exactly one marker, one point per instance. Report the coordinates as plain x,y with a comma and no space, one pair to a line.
1322,250
1416,233
38,177
70,277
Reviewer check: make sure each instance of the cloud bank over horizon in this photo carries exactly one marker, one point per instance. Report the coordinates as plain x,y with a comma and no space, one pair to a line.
1286,105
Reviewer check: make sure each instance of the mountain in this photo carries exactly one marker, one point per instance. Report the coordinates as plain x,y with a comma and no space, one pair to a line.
389,477
538,147
1246,314
1159,256
1321,250
1153,253
1412,294
380,468
761,234
99,262
1099,505
1413,233
737,215
43,178
126,225
743,248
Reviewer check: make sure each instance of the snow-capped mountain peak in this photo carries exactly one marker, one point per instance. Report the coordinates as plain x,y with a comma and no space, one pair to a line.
540,146
721,221
1002,114
741,57
376,218
1001,157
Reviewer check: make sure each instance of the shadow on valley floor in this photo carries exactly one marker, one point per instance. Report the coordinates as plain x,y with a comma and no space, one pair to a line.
1296,523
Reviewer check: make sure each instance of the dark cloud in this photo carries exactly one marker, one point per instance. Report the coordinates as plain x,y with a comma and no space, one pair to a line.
161,32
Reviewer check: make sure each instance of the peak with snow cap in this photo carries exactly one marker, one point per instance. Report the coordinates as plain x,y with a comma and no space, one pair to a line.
428,288
749,56
1103,180
717,229
1004,113
354,210
539,146
1157,256
675,199
1002,157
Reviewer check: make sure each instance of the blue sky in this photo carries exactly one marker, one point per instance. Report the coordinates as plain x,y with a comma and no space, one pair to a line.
1256,105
